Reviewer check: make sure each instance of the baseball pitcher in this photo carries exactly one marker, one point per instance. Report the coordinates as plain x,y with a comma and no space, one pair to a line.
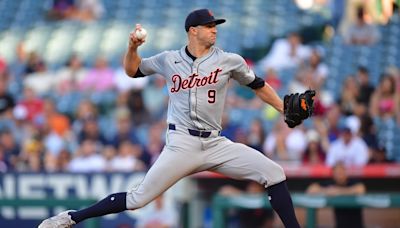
197,77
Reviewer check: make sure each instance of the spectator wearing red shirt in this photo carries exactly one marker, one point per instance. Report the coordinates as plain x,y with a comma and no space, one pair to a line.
33,104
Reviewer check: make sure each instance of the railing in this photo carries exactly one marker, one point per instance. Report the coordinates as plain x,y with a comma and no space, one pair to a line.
310,202
50,203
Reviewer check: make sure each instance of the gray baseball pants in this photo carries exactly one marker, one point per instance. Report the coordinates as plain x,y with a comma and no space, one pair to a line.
185,154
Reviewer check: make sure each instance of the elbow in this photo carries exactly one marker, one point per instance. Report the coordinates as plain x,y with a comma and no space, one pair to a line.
131,73
129,69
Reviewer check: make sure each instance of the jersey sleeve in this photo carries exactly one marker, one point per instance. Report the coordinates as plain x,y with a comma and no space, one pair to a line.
153,64
241,72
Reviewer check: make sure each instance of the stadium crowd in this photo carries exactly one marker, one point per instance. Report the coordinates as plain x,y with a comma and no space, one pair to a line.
94,118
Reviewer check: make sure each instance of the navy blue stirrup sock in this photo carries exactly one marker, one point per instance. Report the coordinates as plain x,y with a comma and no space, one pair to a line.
113,203
281,202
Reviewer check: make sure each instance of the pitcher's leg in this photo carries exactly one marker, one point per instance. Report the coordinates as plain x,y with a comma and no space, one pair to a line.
169,168
242,162
239,161
163,174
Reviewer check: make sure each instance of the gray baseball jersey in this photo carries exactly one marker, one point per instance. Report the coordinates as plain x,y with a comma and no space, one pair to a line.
197,90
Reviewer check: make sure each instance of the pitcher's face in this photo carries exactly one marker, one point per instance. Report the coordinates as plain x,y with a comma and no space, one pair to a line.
207,34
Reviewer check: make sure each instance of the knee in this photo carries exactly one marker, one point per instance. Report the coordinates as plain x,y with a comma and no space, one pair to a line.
134,201
278,175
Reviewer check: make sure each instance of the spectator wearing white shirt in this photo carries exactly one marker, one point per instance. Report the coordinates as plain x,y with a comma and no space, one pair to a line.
311,74
69,77
127,158
87,160
286,53
349,149
124,83
158,213
284,143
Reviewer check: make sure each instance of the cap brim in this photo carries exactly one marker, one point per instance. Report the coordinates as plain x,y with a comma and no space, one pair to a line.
216,21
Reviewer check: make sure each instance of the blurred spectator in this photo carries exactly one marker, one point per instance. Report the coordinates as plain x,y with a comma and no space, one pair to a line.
395,72
348,96
33,104
69,77
32,151
108,153
349,149
64,158
10,149
158,214
366,88
284,143
50,162
18,124
91,131
127,158
368,132
314,154
155,97
136,106
260,218
341,185
272,78
34,64
86,109
3,66
61,9
87,10
287,52
55,126
3,162
240,136
155,143
42,83
7,101
81,10
323,101
361,32
125,128
312,73
228,127
98,79
316,68
256,135
378,156
385,99
300,81
87,158
328,127
52,120
365,91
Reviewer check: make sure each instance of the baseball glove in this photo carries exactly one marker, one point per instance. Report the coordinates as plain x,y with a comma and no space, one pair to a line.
298,107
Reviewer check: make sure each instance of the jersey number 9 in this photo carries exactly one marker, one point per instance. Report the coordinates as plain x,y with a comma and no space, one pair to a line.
211,96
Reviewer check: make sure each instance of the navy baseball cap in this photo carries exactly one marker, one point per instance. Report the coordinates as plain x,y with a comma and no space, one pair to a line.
201,17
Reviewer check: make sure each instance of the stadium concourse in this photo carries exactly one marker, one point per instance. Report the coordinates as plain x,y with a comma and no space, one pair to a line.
57,117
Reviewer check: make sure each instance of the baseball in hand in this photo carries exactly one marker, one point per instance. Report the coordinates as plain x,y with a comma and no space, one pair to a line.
141,33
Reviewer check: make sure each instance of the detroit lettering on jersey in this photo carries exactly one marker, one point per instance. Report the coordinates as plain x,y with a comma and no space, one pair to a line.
194,80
